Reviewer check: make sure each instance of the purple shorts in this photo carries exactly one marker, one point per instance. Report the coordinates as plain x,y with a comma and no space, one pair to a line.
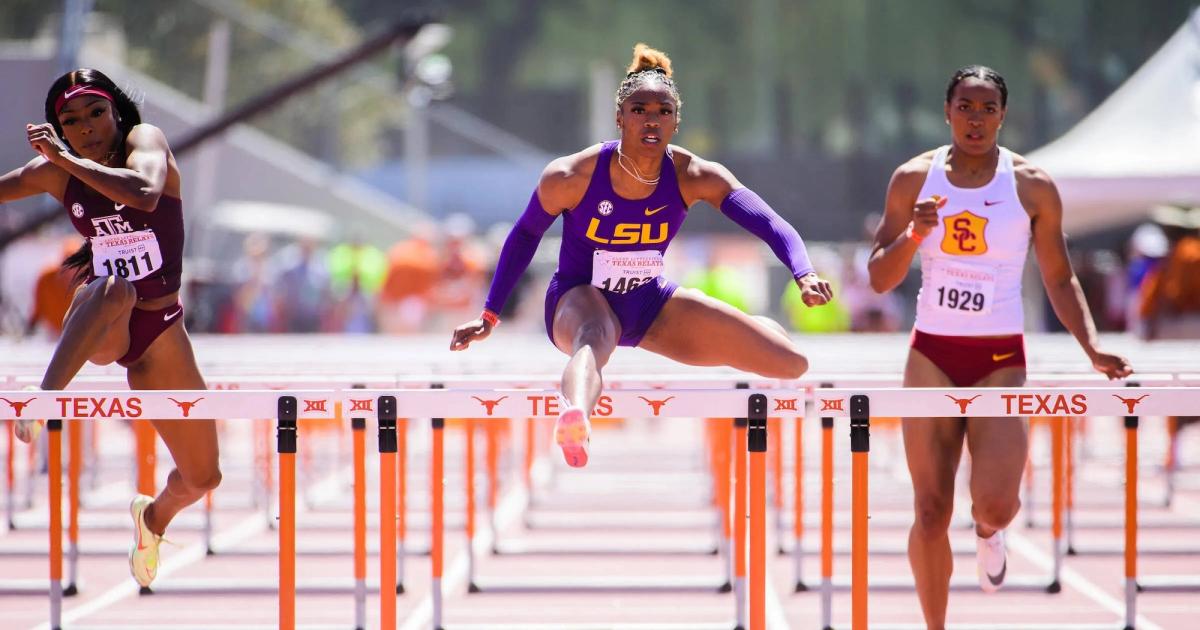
635,310
145,327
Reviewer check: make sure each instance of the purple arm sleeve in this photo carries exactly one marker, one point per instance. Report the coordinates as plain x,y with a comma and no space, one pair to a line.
518,250
748,210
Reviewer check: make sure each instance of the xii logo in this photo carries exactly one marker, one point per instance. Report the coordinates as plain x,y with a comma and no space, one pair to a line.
314,405
361,405
786,404
831,404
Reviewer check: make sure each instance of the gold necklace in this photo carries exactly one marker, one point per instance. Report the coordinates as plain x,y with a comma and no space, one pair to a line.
636,175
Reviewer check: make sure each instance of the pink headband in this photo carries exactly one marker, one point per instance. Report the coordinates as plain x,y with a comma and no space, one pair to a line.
80,90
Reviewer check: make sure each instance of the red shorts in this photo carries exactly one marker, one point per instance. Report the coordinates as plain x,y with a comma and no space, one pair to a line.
145,327
967,360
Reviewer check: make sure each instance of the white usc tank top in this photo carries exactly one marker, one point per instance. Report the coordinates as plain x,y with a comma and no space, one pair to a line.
971,263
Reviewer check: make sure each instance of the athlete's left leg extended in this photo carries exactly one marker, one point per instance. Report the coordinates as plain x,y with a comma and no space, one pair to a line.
696,329
170,364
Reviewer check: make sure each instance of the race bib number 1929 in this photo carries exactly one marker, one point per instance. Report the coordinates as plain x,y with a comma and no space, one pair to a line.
963,289
132,255
622,272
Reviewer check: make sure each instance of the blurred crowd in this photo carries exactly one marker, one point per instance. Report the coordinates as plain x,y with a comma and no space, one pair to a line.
438,277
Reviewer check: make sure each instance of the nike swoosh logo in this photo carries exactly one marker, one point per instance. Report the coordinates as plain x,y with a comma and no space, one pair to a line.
991,203
997,580
650,212
120,206
169,316
1000,357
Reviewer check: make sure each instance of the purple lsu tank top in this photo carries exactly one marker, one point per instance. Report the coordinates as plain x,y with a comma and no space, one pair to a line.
604,220
93,215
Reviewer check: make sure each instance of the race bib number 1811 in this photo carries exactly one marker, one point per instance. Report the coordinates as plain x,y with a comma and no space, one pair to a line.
132,255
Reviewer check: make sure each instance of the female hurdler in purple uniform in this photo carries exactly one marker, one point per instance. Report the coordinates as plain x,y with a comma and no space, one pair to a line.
118,179
622,202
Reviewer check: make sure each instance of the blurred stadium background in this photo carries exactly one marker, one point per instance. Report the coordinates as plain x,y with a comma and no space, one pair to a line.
375,200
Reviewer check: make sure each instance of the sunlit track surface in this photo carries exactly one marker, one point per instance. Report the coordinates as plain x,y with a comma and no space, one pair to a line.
653,464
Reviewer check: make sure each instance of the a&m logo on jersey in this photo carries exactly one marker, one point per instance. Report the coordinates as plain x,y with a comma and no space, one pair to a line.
111,224
964,234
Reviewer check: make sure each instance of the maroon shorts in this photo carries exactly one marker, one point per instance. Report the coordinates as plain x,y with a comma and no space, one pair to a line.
145,327
967,360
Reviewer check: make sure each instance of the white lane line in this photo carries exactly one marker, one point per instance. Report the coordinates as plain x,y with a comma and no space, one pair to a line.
454,579
1073,579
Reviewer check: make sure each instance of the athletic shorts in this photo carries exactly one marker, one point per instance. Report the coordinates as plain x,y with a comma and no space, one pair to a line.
635,310
967,360
145,327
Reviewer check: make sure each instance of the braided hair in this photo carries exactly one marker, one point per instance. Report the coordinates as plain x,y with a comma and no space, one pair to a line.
649,66
978,72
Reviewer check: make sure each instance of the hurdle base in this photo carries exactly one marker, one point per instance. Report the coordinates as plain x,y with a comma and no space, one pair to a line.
905,585
1169,584
534,548
1054,587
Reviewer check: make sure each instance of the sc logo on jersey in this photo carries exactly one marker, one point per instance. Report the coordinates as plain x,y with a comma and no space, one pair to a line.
965,235
628,233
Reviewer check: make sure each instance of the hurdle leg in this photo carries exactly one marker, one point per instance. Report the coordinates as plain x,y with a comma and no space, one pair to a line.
1056,491
757,441
860,422
1131,520
530,455
54,435
208,523
10,476
438,507
1027,505
144,442
470,516
1172,463
401,501
74,477
286,446
798,508
358,430
723,454
387,512
739,520
1070,484
827,523
492,431
775,453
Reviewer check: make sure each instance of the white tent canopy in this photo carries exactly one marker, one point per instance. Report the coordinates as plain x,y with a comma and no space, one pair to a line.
1139,148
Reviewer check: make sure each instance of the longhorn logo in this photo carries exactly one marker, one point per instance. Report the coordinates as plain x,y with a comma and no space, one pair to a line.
18,407
185,406
1130,403
656,405
490,405
963,403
